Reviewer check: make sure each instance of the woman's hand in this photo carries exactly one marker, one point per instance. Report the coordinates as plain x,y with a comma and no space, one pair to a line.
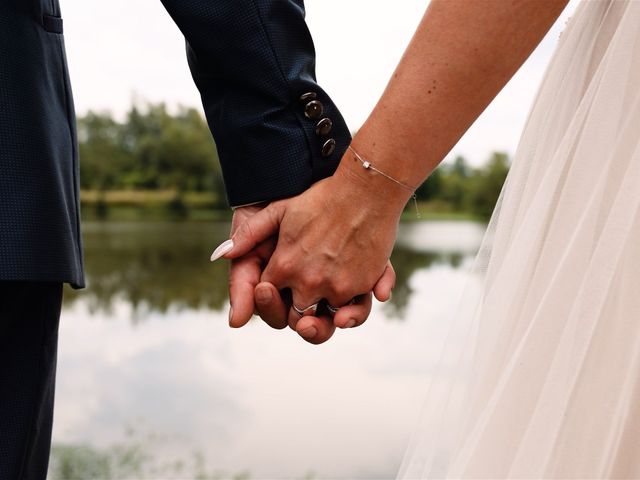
249,296
334,242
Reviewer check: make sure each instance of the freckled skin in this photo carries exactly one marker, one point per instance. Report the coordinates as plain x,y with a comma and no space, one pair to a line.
460,48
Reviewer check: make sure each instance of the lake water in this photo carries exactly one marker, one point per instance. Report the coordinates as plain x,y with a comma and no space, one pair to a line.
153,383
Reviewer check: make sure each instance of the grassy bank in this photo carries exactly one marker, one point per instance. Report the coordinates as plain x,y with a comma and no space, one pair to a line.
139,205
152,205
436,210
149,198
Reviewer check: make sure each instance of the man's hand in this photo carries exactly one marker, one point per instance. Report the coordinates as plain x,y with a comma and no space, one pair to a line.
244,277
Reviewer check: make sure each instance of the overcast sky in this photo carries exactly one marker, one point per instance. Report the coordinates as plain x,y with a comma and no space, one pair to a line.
132,49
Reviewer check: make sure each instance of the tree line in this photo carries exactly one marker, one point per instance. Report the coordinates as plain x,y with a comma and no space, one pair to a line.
153,149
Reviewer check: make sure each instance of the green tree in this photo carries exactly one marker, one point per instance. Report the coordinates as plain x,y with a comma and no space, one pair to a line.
455,184
151,149
431,189
102,155
487,184
460,167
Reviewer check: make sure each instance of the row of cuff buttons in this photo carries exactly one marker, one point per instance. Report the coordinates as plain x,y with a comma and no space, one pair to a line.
313,110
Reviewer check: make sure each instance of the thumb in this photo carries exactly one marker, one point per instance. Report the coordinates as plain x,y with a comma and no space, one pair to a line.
251,233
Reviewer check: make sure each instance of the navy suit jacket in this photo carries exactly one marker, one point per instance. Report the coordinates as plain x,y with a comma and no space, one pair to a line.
253,61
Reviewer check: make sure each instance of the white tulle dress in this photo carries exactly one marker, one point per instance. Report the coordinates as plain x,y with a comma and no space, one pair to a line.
540,377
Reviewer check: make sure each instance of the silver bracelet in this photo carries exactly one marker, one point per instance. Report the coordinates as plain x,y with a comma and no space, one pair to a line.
368,166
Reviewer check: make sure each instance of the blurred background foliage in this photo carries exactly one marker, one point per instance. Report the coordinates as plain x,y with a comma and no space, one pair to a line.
161,160
132,458
158,267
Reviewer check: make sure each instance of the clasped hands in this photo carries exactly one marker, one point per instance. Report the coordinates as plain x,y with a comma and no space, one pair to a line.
328,246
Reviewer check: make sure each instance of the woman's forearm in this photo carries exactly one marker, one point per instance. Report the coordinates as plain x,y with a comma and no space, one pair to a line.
330,246
461,56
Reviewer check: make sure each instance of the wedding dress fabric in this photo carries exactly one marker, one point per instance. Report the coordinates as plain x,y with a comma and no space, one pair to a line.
540,374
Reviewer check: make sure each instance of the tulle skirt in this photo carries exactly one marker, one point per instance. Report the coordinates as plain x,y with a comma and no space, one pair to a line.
540,376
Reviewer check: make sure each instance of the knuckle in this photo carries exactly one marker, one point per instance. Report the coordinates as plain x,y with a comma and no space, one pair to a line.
284,266
342,288
277,270
312,281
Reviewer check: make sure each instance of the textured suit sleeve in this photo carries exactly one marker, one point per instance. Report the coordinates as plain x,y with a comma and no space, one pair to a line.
253,61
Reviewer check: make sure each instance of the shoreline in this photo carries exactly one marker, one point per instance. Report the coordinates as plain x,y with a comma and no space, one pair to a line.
144,205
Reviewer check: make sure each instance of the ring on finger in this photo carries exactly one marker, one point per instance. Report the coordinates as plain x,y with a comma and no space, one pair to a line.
311,308
334,310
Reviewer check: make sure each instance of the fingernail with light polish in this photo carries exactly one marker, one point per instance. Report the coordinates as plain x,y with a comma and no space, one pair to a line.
230,314
309,333
350,324
223,248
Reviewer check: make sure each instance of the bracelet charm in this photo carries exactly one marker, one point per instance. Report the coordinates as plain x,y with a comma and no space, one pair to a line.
367,166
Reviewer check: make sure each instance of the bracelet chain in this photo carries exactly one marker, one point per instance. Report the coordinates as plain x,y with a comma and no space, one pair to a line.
368,166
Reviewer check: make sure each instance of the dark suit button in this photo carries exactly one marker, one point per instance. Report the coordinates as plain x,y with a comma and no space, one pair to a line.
307,97
324,127
313,110
329,147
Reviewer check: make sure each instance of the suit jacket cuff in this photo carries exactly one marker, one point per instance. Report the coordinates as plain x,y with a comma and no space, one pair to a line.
282,152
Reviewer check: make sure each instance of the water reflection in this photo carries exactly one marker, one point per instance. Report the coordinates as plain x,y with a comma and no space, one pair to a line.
159,266
252,400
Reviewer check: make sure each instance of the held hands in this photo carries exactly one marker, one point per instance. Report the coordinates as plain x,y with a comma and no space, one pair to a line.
330,243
